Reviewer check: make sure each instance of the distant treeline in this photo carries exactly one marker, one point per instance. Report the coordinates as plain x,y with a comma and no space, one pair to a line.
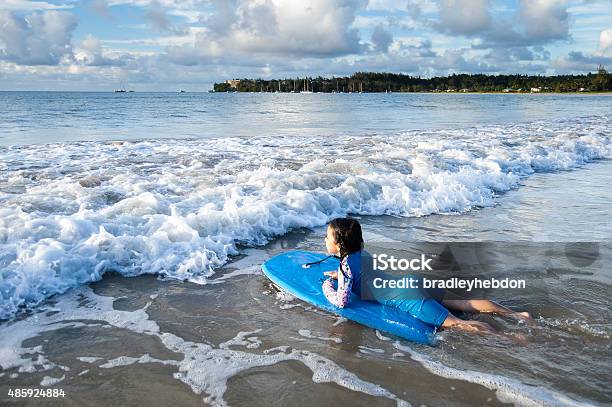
390,82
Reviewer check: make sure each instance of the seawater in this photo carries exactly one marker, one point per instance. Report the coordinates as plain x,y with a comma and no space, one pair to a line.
176,185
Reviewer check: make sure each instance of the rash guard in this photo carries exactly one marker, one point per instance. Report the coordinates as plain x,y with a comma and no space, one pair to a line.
348,280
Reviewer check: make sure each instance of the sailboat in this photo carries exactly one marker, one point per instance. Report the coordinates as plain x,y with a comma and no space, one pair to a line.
306,87
122,89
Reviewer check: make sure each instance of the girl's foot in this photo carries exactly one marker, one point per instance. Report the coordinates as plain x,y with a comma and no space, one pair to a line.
452,322
522,316
477,326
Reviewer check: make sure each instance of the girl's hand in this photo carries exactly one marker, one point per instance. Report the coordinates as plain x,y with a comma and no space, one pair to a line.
332,274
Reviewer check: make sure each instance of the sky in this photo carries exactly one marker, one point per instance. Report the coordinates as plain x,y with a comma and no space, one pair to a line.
166,45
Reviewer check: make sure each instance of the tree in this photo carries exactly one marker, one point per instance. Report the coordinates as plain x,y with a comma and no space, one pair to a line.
601,81
222,87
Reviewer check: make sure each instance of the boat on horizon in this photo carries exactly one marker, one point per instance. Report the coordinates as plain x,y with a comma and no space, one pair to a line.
123,89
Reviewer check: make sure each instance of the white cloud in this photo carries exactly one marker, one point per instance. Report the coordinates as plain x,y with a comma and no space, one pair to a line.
454,60
319,28
381,39
41,38
25,5
605,42
588,61
413,47
581,62
202,41
464,17
534,22
413,7
91,53
545,19
392,22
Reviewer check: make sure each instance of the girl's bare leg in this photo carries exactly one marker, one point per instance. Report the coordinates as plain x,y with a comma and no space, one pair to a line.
484,306
452,322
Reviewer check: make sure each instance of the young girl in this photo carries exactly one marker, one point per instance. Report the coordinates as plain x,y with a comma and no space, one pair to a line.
344,239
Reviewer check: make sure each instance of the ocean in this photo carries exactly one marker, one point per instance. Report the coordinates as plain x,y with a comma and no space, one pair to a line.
133,227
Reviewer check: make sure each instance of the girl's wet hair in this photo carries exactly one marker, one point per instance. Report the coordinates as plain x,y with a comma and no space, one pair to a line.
347,233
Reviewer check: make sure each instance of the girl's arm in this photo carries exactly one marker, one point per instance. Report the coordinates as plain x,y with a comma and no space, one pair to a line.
340,297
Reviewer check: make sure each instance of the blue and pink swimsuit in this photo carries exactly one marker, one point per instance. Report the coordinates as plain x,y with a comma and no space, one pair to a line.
427,310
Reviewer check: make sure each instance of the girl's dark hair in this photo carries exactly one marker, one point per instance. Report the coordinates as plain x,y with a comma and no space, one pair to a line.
347,233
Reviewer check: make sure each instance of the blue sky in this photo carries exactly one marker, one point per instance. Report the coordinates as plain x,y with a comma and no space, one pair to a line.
189,44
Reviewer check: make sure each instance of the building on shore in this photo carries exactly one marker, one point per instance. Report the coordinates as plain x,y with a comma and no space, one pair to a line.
233,83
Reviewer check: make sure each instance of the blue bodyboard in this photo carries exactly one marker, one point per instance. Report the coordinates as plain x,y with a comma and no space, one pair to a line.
286,271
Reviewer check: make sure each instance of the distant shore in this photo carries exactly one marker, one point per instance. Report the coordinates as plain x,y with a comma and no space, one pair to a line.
384,82
599,93
606,93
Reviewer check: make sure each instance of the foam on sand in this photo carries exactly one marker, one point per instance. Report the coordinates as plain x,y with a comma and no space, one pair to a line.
205,368
51,381
89,359
128,360
507,390
306,333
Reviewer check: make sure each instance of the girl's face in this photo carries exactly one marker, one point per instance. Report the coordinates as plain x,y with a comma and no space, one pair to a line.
330,242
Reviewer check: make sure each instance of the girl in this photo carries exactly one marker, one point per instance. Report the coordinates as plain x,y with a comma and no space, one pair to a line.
344,239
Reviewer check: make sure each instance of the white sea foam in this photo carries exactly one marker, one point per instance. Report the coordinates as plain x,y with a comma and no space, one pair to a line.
591,329
243,339
382,337
289,306
70,212
507,390
306,333
285,297
128,360
50,381
205,368
367,349
250,264
89,359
